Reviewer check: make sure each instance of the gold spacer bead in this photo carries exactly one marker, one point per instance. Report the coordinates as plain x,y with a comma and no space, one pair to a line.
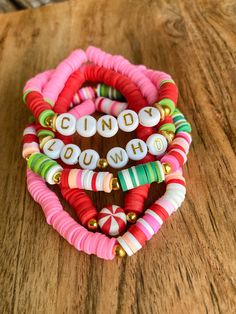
161,110
166,168
168,135
119,251
43,140
57,178
27,157
115,185
167,111
102,163
131,217
51,122
92,224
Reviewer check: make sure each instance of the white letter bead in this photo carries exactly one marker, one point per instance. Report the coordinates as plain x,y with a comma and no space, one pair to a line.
66,124
149,116
52,148
70,154
136,149
88,159
128,120
86,126
117,157
107,126
157,144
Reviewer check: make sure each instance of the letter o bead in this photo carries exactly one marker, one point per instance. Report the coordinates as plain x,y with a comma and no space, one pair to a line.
52,148
107,126
149,116
88,159
157,144
66,124
70,154
128,120
136,149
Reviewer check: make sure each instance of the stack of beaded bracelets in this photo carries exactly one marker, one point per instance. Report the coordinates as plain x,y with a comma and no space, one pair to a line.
62,102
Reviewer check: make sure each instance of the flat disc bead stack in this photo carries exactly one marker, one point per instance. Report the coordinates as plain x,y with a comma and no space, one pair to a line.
130,98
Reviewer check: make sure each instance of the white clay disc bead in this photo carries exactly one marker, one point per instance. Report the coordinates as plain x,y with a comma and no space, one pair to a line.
51,172
52,148
88,159
136,149
117,157
70,154
107,126
149,116
157,144
66,124
86,126
128,120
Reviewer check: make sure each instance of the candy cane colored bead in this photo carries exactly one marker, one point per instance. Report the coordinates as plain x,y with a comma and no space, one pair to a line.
66,124
86,126
109,92
52,148
149,116
117,157
88,159
83,93
157,144
107,126
108,106
128,120
112,220
70,154
136,149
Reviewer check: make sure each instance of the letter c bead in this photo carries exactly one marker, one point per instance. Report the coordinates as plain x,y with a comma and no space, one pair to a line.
66,124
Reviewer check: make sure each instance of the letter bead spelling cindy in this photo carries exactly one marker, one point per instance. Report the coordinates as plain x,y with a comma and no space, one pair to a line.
88,159
128,120
157,144
86,126
70,154
136,149
53,147
107,126
149,116
117,157
66,124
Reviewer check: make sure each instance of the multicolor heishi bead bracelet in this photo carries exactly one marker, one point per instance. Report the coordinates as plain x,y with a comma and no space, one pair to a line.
131,98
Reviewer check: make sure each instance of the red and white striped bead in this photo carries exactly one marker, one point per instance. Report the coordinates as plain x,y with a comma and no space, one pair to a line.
112,220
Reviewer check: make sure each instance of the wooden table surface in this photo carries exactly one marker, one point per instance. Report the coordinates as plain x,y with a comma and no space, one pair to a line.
190,265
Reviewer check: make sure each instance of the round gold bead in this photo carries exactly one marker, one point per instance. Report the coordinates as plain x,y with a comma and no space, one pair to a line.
102,163
57,178
115,185
92,224
119,251
27,157
51,122
131,217
166,168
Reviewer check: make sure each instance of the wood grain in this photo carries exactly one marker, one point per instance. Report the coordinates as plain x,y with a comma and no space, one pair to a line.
190,266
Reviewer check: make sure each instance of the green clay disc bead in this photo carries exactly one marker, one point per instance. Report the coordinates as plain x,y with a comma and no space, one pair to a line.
42,165
166,102
180,122
108,92
139,175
